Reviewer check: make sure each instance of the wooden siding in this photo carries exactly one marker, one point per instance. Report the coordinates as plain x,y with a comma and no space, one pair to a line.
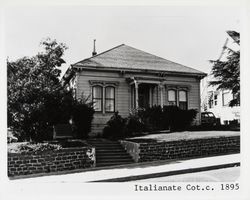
123,92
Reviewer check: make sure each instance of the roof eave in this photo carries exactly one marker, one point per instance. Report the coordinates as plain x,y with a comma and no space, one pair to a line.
103,68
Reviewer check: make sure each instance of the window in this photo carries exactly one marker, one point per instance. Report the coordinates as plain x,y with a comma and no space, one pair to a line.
103,98
109,99
215,99
210,99
172,98
97,98
183,100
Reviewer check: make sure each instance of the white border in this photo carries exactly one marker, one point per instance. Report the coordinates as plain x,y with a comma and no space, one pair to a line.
12,190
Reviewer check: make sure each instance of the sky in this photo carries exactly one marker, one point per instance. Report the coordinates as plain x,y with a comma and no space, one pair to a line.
187,35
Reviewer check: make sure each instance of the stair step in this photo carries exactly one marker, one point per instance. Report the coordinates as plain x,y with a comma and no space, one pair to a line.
111,160
109,147
113,156
110,153
110,150
111,164
102,142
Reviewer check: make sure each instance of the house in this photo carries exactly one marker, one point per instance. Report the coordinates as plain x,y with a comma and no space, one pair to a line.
124,78
217,101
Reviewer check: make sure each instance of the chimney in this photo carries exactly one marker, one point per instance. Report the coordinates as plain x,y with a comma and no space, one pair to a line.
94,52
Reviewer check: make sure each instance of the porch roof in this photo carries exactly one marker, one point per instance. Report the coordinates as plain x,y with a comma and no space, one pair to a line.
124,57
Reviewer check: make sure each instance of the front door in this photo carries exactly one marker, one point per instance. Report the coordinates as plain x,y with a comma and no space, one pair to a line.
143,96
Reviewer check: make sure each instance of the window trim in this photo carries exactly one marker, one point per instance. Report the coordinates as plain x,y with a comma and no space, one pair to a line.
105,88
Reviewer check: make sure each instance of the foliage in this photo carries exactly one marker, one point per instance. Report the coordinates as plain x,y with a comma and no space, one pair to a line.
227,73
82,116
177,119
150,119
134,124
35,92
33,147
115,127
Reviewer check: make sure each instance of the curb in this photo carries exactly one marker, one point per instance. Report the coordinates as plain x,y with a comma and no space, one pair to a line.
169,173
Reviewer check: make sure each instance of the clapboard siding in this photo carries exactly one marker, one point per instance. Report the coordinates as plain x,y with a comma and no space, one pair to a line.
123,92
122,95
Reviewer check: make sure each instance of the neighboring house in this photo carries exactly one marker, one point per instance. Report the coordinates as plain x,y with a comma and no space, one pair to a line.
217,101
124,78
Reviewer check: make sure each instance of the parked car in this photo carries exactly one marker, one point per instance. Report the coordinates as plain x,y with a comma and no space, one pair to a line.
208,118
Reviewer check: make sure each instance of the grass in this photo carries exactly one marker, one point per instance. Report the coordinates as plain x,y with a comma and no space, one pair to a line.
185,135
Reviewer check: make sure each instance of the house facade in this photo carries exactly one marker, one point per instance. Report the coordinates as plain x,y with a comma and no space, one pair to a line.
124,78
217,102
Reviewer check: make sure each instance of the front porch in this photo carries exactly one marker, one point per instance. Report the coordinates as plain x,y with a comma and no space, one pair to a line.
148,92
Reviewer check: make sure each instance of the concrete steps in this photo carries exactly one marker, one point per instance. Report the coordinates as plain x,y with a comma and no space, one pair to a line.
110,153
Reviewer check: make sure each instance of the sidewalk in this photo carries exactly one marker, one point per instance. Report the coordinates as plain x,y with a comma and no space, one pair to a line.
141,170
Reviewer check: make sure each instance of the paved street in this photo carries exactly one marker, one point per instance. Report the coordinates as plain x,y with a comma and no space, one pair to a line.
219,175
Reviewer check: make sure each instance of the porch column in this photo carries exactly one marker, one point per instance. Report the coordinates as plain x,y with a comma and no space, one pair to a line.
161,94
136,94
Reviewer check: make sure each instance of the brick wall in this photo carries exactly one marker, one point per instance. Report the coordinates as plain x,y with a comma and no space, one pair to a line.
50,161
181,149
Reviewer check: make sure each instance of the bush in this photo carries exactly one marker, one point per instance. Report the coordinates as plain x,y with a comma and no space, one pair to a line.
134,125
115,128
168,117
33,147
150,119
177,119
118,127
82,117
153,118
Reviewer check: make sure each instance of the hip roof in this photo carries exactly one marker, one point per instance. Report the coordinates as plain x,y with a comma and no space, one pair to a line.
125,57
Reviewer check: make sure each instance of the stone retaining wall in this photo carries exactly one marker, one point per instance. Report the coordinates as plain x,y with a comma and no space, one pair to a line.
153,150
50,161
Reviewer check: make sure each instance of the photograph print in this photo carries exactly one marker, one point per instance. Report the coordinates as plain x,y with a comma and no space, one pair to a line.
123,94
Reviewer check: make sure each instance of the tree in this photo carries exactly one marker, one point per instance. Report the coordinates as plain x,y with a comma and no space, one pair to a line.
34,90
227,73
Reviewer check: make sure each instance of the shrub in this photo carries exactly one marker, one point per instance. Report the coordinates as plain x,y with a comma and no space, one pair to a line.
168,117
134,124
82,116
153,118
150,119
33,147
115,128
177,119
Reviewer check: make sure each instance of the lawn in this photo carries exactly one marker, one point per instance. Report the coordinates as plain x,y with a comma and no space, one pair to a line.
188,135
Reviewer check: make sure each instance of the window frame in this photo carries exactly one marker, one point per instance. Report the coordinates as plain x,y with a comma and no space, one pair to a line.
105,98
186,93
93,98
175,91
215,99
